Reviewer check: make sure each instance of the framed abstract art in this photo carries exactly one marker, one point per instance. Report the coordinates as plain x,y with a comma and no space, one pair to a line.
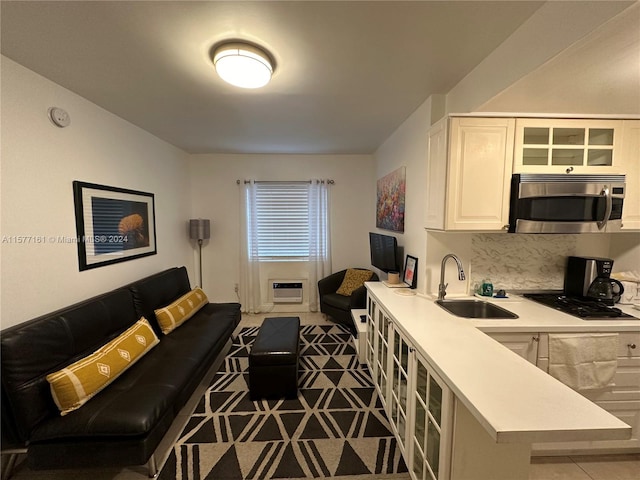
390,201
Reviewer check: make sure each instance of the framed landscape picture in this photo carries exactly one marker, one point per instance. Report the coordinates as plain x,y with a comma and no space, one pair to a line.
112,224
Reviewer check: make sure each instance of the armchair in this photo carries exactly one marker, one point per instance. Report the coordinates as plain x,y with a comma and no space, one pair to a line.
337,306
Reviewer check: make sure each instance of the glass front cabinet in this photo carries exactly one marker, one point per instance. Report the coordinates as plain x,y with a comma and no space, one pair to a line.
382,339
417,402
399,381
566,146
431,425
371,336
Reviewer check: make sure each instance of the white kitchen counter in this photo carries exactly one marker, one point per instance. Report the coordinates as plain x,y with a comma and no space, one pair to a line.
511,398
534,317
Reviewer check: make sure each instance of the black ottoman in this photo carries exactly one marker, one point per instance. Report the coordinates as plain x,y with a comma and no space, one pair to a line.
273,361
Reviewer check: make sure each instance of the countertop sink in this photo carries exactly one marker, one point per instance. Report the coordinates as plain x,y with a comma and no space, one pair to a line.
475,309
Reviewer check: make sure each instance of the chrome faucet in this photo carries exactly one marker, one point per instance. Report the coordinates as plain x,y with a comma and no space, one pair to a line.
442,288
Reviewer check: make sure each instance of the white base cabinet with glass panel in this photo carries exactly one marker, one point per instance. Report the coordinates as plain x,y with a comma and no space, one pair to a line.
425,416
418,403
464,407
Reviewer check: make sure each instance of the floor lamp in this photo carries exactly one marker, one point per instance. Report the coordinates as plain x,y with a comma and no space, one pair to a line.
199,229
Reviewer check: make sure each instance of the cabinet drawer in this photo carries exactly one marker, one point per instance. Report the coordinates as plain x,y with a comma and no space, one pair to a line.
523,344
626,382
625,339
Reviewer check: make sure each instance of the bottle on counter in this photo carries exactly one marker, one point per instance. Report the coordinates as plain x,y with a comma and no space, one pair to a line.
487,287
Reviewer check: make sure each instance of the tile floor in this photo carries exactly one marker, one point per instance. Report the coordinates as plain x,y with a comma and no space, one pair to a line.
583,467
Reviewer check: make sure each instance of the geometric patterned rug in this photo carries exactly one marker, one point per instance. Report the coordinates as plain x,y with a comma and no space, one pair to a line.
335,427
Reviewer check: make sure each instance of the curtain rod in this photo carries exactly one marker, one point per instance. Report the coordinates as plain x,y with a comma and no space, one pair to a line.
330,182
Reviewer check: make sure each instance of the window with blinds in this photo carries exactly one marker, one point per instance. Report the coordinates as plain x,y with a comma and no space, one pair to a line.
282,220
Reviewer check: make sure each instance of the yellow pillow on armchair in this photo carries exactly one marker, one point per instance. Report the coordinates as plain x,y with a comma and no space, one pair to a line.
353,279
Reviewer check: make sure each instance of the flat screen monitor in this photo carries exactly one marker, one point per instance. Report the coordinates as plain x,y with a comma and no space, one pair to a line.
384,252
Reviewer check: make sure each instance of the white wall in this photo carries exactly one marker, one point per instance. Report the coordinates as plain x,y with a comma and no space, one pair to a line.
625,250
546,35
407,147
598,74
39,163
508,80
516,78
215,195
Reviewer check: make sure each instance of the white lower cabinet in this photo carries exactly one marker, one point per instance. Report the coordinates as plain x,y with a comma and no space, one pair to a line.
431,423
417,402
370,345
524,344
382,338
622,399
399,383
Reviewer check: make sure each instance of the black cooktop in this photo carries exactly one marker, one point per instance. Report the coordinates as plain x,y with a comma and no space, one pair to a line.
578,307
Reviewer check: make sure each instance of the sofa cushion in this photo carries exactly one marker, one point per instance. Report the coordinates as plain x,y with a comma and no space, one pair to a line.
176,313
76,384
353,279
161,382
33,349
158,291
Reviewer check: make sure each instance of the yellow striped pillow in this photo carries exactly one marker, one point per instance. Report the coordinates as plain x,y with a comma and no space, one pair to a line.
175,314
76,384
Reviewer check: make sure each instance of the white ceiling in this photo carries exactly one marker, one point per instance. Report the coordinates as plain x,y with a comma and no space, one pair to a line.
347,75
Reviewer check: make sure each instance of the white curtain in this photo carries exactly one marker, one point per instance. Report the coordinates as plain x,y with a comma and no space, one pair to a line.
319,238
250,298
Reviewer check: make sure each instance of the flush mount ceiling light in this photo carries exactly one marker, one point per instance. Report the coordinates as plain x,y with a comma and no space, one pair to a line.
243,65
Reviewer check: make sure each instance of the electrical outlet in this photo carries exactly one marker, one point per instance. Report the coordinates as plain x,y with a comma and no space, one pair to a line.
236,288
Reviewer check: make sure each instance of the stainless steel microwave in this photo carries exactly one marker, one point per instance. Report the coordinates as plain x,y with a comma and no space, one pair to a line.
566,203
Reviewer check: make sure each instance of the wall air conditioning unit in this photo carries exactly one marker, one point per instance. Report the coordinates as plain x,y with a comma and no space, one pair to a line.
287,292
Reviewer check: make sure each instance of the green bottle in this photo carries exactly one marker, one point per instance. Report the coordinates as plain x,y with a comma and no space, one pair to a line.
487,288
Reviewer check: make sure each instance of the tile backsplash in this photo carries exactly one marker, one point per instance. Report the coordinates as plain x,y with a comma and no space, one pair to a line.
521,262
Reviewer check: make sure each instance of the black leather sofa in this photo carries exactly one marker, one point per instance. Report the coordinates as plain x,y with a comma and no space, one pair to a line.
125,422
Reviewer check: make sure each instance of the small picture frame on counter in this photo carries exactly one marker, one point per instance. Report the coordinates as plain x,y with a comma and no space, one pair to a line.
410,275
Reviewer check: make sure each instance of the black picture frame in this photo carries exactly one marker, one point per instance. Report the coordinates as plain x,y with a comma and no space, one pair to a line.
112,224
410,273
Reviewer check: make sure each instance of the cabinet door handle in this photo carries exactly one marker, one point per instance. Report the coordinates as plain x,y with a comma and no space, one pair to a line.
632,346
535,339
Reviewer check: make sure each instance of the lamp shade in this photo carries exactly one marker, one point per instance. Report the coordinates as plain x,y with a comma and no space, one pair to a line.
199,229
243,65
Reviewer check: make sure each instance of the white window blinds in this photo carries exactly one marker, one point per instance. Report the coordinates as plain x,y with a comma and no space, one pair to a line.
282,220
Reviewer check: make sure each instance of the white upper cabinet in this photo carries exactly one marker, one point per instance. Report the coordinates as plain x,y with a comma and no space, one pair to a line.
437,174
471,160
630,165
547,145
469,170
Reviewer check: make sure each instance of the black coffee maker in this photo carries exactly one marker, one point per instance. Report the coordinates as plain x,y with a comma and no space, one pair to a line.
589,277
